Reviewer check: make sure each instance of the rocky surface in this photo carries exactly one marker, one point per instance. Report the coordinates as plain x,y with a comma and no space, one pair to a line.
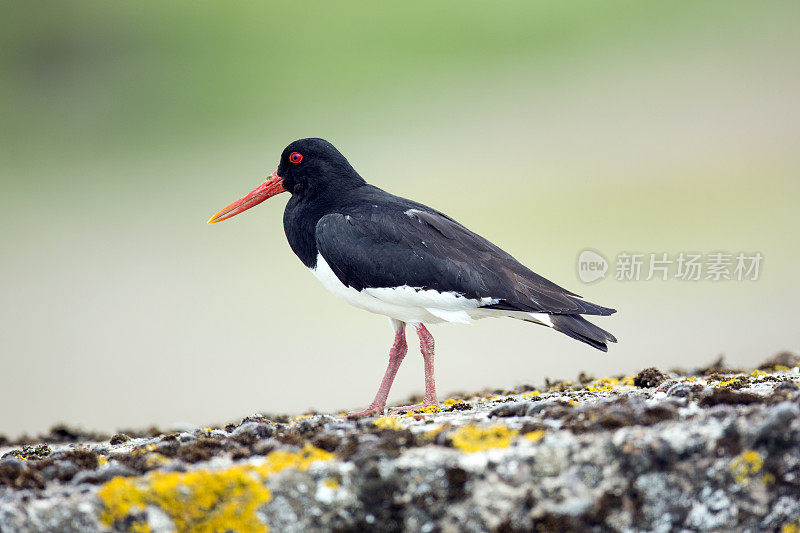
713,450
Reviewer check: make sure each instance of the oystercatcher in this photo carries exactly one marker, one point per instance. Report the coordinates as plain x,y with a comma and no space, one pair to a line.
405,260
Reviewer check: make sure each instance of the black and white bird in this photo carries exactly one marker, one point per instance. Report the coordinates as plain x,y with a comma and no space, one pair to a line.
405,260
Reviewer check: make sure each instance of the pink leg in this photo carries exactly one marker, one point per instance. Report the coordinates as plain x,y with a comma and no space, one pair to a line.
426,347
396,355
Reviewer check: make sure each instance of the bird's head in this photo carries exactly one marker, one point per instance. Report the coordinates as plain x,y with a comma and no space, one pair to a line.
307,167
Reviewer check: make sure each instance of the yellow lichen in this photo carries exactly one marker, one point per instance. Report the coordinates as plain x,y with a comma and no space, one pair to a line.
425,410
691,379
139,527
203,500
102,460
793,527
474,439
388,422
573,402
560,387
746,464
627,381
781,368
726,382
531,394
144,449
195,501
757,373
282,459
461,404
331,483
603,385
535,435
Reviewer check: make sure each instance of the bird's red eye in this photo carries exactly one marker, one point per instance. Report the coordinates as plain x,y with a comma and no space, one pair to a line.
295,157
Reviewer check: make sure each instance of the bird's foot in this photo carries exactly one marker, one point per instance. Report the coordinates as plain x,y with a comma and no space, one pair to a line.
372,410
408,408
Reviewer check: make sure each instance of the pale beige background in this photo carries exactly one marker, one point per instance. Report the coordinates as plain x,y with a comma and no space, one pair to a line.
547,130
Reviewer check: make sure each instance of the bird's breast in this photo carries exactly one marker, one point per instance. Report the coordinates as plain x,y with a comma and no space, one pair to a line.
299,225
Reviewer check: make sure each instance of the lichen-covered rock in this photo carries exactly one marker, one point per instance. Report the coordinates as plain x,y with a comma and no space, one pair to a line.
715,451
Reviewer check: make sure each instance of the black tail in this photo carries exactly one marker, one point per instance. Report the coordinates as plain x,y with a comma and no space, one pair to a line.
581,329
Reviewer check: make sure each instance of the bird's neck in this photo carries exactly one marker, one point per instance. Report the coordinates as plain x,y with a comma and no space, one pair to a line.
302,214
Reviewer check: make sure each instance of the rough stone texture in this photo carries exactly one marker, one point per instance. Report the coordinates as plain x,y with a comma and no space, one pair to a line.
649,377
718,451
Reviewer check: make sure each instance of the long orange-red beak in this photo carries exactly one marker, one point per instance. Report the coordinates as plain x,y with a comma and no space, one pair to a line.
271,187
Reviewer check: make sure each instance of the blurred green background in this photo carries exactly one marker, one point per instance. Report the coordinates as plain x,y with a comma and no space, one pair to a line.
548,127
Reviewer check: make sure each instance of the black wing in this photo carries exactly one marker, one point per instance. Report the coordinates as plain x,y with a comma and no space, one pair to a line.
394,245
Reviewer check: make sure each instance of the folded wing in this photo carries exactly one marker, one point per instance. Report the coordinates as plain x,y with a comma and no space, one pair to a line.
412,245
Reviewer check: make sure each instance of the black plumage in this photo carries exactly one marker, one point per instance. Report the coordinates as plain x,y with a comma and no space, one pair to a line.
402,259
373,239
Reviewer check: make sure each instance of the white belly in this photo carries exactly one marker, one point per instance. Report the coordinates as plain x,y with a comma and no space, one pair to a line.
412,305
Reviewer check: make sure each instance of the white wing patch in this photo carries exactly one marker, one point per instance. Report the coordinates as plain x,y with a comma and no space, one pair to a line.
414,306
458,317
407,304
542,318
